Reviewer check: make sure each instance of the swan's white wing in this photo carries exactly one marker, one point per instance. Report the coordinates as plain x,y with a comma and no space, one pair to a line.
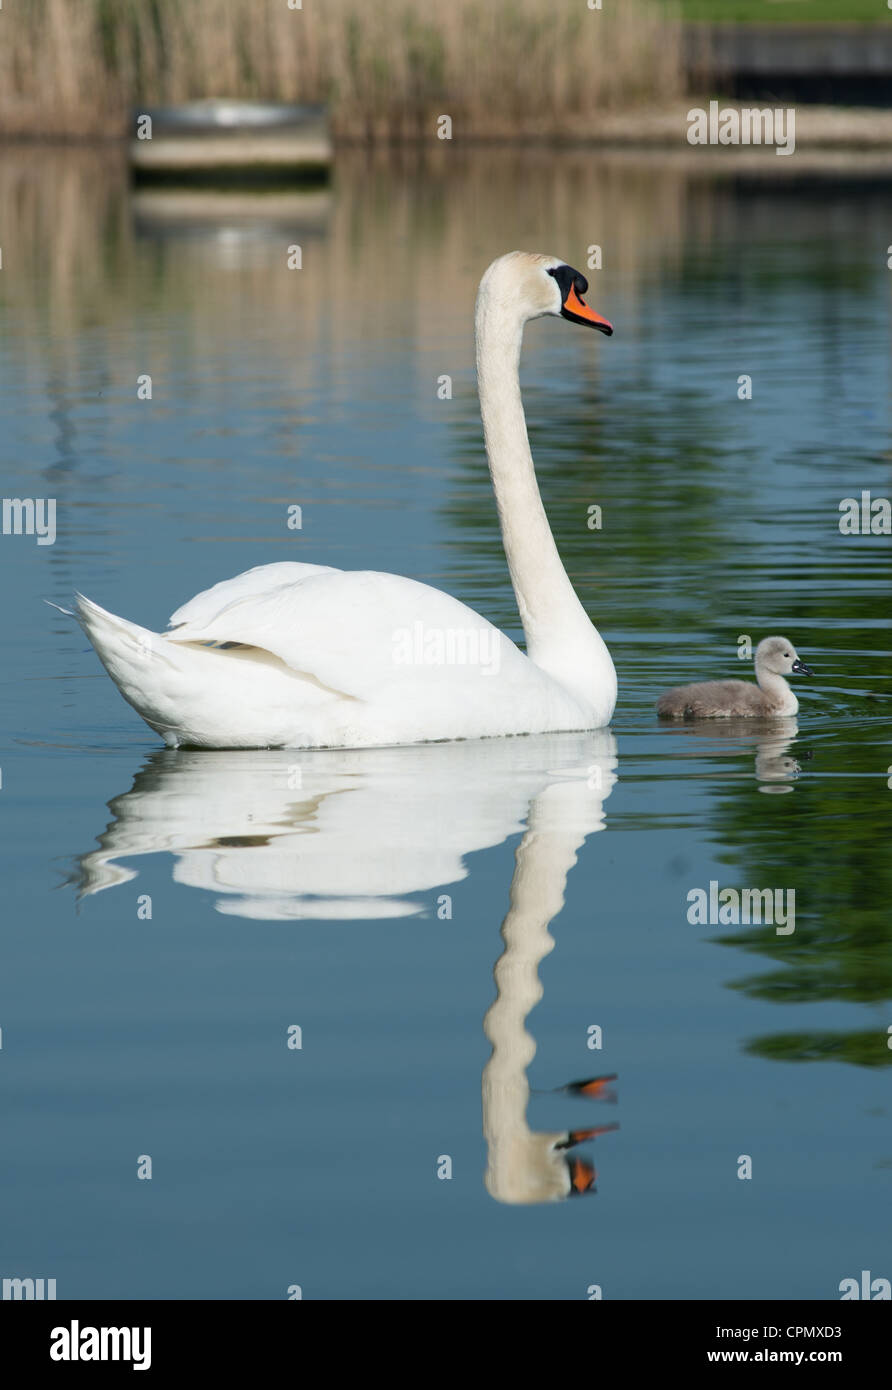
357,632
206,605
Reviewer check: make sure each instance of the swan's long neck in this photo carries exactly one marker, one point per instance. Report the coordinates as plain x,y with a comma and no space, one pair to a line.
777,690
559,634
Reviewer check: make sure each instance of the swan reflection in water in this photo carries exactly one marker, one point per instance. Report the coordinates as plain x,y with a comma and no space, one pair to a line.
355,834
524,1165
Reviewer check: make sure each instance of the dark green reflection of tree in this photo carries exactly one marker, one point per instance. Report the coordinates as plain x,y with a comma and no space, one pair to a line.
653,472
829,840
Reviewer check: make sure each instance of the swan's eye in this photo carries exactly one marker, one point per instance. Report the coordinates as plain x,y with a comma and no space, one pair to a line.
568,278
572,287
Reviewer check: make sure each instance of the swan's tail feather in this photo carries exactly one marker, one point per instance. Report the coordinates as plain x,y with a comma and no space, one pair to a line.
116,639
207,694
139,662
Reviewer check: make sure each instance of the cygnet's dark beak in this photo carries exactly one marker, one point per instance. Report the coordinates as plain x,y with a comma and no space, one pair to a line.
801,669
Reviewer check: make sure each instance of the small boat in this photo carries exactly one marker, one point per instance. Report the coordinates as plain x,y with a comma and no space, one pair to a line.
226,141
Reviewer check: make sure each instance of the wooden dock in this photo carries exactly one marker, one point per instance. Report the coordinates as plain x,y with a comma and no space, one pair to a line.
846,63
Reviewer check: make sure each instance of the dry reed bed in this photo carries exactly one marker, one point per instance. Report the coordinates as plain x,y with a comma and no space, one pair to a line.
75,68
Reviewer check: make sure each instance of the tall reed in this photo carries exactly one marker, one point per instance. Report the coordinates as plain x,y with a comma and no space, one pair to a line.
388,68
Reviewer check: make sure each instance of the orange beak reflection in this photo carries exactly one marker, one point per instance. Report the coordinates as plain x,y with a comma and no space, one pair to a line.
578,311
582,1176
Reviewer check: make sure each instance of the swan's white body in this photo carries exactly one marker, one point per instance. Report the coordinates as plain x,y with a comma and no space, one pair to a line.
328,658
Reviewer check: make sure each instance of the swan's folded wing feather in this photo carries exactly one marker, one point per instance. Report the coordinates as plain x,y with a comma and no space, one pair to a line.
261,579
356,632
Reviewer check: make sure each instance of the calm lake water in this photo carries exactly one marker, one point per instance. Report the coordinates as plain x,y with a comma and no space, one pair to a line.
361,897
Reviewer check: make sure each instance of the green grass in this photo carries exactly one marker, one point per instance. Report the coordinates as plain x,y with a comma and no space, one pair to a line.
784,11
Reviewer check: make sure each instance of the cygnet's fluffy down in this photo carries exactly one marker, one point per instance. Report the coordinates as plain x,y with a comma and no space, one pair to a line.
776,658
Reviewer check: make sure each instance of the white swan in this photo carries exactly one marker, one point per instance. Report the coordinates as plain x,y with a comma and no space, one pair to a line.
328,658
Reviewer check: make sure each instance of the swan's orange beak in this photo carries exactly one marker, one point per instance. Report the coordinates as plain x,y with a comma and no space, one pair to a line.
577,311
